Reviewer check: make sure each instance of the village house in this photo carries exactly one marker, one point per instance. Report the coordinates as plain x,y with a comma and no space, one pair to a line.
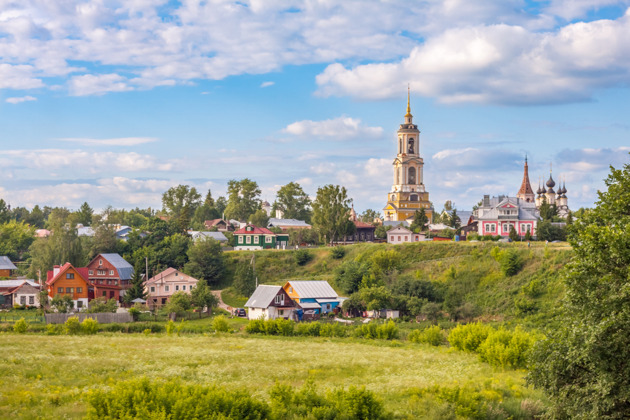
71,281
19,292
252,238
364,231
162,286
315,295
110,275
270,302
286,224
220,225
399,235
7,268
197,236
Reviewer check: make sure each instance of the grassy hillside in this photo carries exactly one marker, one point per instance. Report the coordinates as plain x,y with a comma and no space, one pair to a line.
48,376
464,271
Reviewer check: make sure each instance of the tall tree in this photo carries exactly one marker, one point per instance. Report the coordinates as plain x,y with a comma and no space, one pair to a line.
5,214
243,199
293,202
420,221
259,218
369,215
180,204
104,241
331,210
245,279
136,291
15,239
36,218
583,365
202,297
84,214
206,261
454,220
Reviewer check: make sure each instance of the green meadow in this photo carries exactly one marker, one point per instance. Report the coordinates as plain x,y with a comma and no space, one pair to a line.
48,376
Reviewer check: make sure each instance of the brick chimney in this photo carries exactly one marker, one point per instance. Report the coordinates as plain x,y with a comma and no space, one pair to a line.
56,270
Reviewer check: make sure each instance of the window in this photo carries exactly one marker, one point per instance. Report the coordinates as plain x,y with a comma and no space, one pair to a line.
31,300
176,274
166,288
413,197
152,289
69,275
114,282
256,238
290,289
79,289
22,300
184,287
91,272
412,174
248,239
406,238
100,262
268,239
240,239
279,300
79,304
59,289
281,312
104,293
69,289
111,272
176,287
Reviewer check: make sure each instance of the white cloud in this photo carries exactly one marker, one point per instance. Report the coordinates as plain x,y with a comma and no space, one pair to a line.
122,141
267,84
17,100
90,84
19,77
340,128
497,64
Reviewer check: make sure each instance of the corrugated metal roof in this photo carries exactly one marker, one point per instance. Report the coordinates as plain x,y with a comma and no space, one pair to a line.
125,270
287,222
217,236
327,300
262,296
16,283
309,305
313,289
6,264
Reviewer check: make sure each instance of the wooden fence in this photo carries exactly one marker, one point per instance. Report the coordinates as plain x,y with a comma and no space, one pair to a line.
102,318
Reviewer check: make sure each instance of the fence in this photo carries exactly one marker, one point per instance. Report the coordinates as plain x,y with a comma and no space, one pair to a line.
102,318
33,319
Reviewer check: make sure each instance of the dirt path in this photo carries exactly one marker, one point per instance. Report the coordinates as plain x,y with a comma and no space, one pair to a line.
222,304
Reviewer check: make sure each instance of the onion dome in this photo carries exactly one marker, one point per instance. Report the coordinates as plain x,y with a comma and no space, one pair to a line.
551,183
543,190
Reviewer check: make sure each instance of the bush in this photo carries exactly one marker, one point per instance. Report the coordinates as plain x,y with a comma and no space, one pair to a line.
140,398
338,252
469,337
309,329
20,326
135,313
255,326
431,335
387,331
72,326
332,330
170,327
55,329
284,327
302,256
507,348
89,326
508,260
220,324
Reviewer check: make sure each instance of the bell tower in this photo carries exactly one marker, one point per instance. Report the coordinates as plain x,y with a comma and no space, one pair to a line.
408,192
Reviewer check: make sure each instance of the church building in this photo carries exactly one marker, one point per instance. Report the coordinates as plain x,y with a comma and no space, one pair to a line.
408,193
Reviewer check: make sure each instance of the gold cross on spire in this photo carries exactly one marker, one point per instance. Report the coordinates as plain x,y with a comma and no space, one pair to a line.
408,105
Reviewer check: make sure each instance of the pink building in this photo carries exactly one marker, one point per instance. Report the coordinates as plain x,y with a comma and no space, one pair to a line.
161,287
399,235
497,215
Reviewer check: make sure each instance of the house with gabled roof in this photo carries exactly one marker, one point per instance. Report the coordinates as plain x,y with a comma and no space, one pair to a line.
316,295
399,235
219,224
19,292
497,215
198,236
252,238
270,302
162,286
68,280
7,268
286,224
110,274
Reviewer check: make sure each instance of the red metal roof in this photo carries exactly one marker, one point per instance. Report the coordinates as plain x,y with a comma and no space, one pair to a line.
82,271
360,224
255,231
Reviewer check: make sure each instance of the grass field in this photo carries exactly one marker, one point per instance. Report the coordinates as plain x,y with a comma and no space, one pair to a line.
46,376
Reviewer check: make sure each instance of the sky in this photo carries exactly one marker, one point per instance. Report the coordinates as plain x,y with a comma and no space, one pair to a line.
113,102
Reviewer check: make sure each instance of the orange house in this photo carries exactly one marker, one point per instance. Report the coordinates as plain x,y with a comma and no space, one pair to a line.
68,280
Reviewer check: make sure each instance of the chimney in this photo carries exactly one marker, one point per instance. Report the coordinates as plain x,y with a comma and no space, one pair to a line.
486,200
56,270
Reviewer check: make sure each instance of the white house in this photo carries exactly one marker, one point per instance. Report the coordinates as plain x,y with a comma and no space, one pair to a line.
401,235
270,302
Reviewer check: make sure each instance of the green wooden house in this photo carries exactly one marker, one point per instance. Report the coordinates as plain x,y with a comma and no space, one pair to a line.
250,238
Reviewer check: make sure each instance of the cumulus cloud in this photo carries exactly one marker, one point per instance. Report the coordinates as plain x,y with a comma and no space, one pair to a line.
499,63
91,84
122,141
340,128
17,100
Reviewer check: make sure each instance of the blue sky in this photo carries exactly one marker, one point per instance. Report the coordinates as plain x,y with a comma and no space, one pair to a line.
113,102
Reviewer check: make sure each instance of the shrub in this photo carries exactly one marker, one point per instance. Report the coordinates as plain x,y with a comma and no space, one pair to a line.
147,331
135,313
284,327
140,398
387,331
431,335
468,337
20,326
309,328
255,326
220,324
508,260
302,256
170,327
507,348
338,252
55,329
72,325
89,326
332,330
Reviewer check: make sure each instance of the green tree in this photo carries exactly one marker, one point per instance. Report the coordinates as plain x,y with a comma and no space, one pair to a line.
369,215
202,297
84,214
259,218
180,204
245,279
104,241
453,220
583,365
420,221
243,199
331,210
62,303
5,214
207,211
15,239
36,218
206,261
136,291
381,231
513,235
293,202
178,303
101,305
547,211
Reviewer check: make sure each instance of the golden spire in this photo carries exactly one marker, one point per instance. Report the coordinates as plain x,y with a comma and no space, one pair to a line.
408,106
